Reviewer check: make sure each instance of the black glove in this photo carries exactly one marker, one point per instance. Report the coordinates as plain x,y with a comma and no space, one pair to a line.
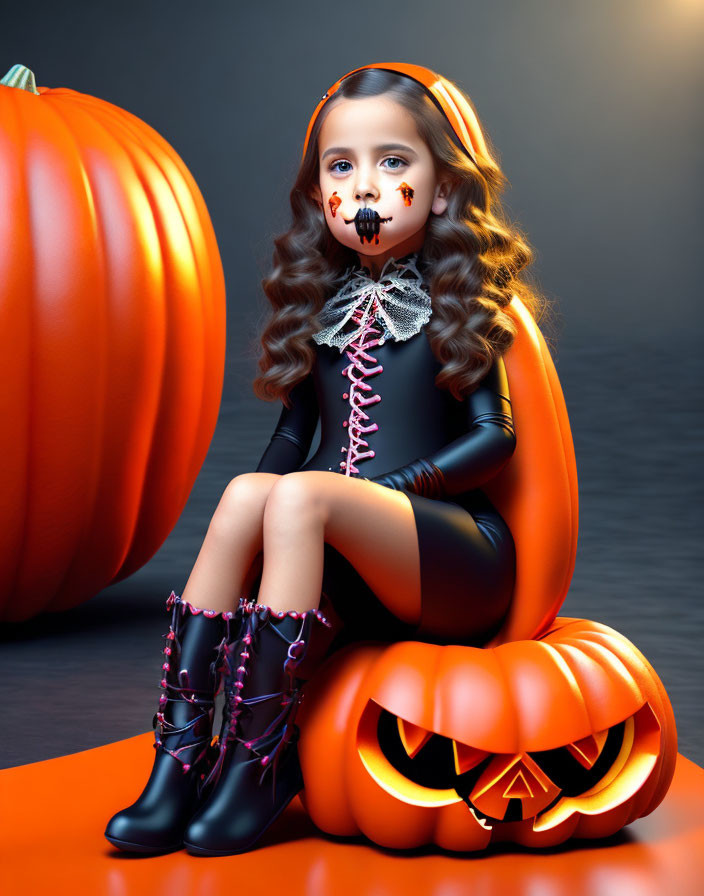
420,476
473,458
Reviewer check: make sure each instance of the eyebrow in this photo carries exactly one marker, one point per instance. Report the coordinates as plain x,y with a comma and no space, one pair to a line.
384,147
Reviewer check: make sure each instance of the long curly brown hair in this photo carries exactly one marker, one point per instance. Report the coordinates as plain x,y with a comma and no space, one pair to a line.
472,257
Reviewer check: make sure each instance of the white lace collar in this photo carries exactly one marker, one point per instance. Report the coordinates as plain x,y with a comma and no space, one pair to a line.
404,307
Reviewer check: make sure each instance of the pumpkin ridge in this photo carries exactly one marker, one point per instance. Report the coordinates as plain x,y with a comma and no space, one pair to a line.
98,411
508,694
13,99
147,191
542,626
610,640
613,665
199,261
569,651
567,442
562,664
432,675
75,164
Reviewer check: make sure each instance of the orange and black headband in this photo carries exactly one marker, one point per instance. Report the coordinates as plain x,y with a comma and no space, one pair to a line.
441,91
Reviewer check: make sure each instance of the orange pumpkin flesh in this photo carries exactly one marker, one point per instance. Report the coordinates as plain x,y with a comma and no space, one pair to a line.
532,741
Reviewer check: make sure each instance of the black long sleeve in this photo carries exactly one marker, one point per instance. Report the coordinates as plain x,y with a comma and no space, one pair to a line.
474,457
290,443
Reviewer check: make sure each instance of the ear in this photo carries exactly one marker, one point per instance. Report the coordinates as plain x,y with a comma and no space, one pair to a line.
442,191
316,195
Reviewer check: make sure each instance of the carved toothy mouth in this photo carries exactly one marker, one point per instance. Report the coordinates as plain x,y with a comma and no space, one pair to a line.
480,818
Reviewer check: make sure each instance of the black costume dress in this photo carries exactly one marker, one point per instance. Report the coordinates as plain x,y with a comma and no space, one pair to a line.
372,386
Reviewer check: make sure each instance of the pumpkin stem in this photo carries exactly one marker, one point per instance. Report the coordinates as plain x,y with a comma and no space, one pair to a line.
20,76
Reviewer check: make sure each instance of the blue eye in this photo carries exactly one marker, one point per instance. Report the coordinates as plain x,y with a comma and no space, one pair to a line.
395,159
341,162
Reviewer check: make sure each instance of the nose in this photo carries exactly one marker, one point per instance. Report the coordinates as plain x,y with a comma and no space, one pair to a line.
365,189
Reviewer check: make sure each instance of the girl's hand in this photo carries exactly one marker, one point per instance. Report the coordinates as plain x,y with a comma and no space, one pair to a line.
395,479
420,476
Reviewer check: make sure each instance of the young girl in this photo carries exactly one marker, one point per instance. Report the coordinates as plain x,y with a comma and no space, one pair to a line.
388,325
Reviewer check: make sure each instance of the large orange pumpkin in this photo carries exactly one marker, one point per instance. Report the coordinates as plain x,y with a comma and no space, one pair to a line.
533,741
112,343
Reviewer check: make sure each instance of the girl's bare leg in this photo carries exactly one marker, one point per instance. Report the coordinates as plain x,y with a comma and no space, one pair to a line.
371,525
232,546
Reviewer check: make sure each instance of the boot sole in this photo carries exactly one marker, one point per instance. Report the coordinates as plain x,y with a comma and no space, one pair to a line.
141,847
192,849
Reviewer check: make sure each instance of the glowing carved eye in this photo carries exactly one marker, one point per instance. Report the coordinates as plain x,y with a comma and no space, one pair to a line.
466,757
413,737
587,750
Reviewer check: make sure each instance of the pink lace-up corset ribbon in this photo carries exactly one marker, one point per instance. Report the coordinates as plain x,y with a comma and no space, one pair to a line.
356,372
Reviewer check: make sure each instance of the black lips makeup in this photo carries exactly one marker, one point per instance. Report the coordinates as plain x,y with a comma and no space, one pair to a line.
367,222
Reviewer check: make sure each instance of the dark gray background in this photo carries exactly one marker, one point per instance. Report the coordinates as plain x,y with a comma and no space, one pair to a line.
594,109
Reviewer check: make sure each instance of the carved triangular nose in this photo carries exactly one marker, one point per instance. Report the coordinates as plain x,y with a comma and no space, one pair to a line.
518,788
508,777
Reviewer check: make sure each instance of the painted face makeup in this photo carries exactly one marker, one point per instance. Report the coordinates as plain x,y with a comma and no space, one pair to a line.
367,222
334,202
406,192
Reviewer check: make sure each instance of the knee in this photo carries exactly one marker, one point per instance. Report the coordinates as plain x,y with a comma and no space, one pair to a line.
293,500
243,499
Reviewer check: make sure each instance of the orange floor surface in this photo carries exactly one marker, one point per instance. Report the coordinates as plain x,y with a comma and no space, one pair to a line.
53,815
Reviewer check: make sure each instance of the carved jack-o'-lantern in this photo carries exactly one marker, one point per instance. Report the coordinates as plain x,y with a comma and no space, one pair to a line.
530,741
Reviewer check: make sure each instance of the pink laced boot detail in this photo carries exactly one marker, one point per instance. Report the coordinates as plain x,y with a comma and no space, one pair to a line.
356,372
203,699
185,605
255,615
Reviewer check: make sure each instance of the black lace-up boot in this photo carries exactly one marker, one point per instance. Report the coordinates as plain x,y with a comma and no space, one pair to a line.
183,728
257,772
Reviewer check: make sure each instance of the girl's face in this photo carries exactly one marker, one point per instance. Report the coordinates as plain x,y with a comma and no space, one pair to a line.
372,157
